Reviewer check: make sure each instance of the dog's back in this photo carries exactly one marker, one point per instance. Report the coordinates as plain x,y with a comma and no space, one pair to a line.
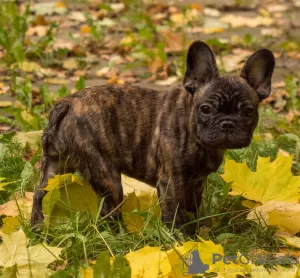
122,123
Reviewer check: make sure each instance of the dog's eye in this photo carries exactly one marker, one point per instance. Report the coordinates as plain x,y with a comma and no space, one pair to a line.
248,112
205,109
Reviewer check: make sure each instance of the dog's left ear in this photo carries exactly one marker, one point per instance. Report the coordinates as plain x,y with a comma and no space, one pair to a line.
258,72
200,66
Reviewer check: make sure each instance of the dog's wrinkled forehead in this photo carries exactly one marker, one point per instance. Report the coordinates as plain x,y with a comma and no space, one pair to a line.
227,90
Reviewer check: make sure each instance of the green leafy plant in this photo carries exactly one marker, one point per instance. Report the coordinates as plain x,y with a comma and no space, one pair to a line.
13,27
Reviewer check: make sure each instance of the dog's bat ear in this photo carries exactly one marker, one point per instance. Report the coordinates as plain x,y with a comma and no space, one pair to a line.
201,66
258,72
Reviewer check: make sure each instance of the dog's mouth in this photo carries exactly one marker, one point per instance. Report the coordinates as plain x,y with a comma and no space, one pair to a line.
226,141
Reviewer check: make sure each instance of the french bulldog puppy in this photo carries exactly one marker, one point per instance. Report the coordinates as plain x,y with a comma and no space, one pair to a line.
171,140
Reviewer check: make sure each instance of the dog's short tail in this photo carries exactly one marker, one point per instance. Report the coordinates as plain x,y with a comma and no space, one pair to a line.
49,138
57,113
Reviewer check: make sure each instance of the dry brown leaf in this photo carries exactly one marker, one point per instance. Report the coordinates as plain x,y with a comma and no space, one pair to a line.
167,82
77,16
3,88
277,8
292,115
174,41
113,78
278,84
102,72
61,44
294,54
273,32
211,12
39,30
117,7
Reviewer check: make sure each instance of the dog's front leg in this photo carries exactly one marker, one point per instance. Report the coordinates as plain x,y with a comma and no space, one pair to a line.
171,195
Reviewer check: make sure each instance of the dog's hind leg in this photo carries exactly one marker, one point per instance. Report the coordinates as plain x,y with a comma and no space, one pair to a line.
49,168
50,160
105,179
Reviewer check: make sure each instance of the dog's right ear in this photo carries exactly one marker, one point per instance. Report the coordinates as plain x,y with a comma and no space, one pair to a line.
201,66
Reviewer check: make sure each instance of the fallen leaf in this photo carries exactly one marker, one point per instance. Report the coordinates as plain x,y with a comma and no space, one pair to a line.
40,20
102,72
167,82
196,6
3,88
63,44
258,186
117,7
282,214
85,29
29,261
68,190
57,81
60,4
29,66
241,21
113,78
211,12
49,8
174,41
273,32
5,103
39,30
214,25
31,138
86,272
14,206
274,8
191,15
107,22
77,16
177,262
70,64
10,224
140,197
289,239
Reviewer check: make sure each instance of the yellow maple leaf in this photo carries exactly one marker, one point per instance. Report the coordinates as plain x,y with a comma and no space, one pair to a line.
10,224
289,239
19,260
148,262
86,272
271,181
176,262
140,196
282,214
65,190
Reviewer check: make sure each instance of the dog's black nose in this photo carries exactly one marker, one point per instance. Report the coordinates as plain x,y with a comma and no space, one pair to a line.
227,126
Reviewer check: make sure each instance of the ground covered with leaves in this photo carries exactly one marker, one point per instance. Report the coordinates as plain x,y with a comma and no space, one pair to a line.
51,49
